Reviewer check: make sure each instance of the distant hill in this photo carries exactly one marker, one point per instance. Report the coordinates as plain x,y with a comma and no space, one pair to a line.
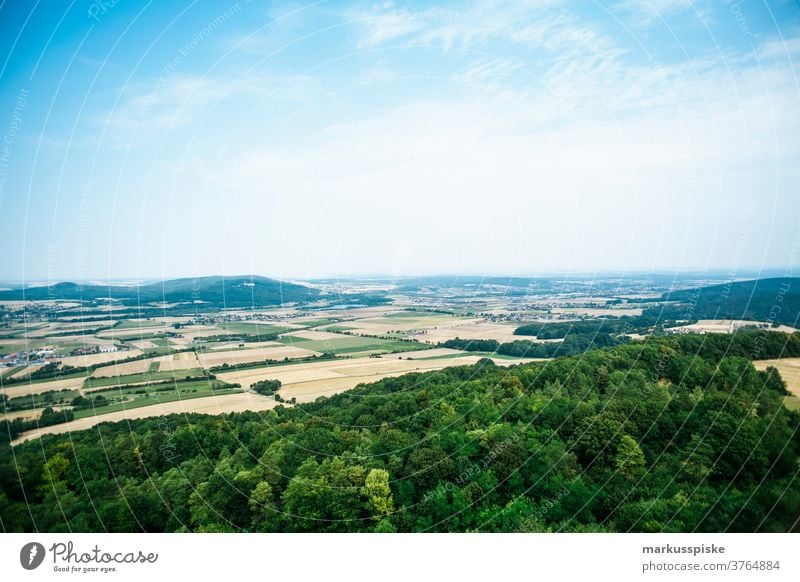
242,291
775,300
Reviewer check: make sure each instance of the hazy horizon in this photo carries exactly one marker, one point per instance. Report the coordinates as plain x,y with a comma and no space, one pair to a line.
399,138
721,274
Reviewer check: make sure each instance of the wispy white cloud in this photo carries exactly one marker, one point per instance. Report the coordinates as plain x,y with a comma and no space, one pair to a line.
645,12
381,25
177,101
784,48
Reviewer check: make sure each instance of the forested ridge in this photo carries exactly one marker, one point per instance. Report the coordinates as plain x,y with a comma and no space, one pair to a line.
239,291
775,300
677,433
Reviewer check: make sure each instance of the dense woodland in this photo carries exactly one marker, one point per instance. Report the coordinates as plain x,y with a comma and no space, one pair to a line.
774,300
674,434
573,343
608,326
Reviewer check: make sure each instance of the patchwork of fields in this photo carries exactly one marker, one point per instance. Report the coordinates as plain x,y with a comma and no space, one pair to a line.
152,366
92,369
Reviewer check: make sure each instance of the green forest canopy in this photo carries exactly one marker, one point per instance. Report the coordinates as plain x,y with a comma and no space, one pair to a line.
775,300
673,434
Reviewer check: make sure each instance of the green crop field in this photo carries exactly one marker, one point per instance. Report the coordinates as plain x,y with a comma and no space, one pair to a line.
177,375
159,388
792,402
253,328
138,324
43,399
128,398
161,351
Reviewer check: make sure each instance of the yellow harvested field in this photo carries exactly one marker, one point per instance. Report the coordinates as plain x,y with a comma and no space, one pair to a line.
136,367
26,389
314,335
432,353
788,368
210,405
310,391
433,328
27,370
144,344
346,373
233,357
384,325
130,332
88,340
168,363
199,331
176,362
94,359
364,372
502,332
731,325
24,414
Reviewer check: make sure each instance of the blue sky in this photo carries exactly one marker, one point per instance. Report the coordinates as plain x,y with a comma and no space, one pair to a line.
332,138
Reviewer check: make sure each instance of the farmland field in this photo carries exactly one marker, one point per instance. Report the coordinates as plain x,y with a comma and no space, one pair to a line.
39,387
309,380
275,351
788,368
346,344
236,402
98,359
94,383
254,328
132,398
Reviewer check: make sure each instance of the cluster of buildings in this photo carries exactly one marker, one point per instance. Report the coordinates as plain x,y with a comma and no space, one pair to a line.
45,356
98,349
684,329
26,358
211,319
